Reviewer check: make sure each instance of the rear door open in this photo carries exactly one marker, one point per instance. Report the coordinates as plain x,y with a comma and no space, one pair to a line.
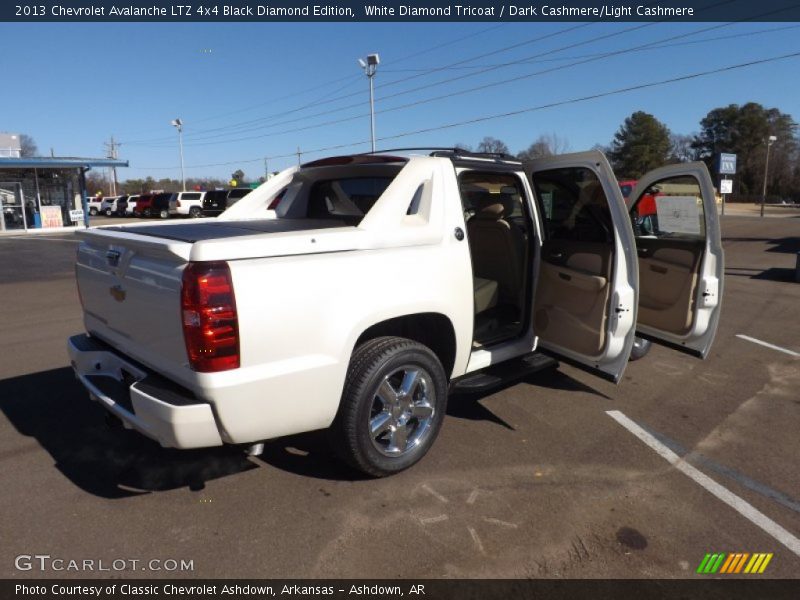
674,217
584,304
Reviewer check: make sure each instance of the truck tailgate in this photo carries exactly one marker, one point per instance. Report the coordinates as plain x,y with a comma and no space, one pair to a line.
130,290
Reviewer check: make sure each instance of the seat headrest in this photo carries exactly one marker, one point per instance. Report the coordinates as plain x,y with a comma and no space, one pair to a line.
494,206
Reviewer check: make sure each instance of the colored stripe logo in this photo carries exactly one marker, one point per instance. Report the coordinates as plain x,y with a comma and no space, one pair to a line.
734,562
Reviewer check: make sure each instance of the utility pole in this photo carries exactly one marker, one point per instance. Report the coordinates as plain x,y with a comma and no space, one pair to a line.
112,153
769,141
266,169
298,156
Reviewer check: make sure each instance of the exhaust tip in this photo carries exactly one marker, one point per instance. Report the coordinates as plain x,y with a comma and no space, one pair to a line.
255,449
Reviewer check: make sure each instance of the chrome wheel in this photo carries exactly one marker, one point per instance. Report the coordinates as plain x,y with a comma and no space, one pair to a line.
402,411
640,348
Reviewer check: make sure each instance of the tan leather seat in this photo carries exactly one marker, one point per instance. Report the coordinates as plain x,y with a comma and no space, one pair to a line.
497,246
485,291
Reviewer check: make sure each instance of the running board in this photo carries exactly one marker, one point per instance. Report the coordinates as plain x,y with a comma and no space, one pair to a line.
497,374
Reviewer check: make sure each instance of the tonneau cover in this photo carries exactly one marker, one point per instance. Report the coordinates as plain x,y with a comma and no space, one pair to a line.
198,231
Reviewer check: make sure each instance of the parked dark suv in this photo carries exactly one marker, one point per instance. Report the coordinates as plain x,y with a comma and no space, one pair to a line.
216,201
153,205
161,204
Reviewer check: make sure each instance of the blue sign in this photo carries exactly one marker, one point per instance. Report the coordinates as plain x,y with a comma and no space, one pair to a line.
727,164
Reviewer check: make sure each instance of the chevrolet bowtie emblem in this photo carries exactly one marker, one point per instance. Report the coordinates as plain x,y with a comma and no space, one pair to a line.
117,292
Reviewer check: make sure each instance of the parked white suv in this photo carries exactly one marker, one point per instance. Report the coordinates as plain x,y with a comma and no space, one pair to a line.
353,293
108,206
187,204
94,205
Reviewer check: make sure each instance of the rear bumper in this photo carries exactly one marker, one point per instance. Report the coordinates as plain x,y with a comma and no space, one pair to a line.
143,401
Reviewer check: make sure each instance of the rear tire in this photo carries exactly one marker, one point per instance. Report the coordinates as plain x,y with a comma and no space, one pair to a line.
146,213
164,214
93,212
640,348
195,212
109,212
392,406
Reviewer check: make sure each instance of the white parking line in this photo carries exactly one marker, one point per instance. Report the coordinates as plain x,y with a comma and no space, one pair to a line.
768,345
735,502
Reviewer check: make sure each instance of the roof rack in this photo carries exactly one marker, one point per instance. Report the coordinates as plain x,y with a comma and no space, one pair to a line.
380,156
461,153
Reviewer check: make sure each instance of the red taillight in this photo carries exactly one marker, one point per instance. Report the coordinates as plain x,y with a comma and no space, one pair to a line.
276,200
210,322
178,203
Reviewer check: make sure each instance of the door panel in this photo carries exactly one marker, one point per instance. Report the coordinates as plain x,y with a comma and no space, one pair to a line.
585,298
679,249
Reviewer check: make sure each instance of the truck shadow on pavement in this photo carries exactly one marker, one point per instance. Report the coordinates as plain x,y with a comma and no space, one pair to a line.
53,408
310,455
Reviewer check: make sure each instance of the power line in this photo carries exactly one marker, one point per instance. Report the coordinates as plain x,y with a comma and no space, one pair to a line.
507,114
246,125
198,140
202,139
456,93
580,56
335,81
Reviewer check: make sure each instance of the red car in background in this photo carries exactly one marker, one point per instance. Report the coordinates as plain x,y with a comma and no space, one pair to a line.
646,206
144,205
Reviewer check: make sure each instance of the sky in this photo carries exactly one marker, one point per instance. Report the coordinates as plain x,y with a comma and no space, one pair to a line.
250,91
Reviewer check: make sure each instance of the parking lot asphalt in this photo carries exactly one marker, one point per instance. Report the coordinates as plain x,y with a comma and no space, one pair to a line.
537,479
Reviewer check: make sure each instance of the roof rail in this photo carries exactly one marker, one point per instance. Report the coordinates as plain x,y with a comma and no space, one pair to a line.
461,153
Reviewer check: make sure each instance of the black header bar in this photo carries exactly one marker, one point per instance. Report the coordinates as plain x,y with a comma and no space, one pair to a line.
539,11
422,589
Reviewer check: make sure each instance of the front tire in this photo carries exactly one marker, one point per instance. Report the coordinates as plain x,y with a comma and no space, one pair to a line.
146,213
640,348
392,407
92,212
164,214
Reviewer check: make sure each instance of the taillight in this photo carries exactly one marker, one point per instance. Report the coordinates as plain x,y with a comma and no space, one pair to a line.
177,203
276,200
210,322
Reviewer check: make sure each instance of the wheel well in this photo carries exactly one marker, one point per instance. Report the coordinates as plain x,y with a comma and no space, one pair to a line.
433,330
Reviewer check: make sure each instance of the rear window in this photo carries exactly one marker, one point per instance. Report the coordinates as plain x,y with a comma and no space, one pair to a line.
348,199
190,196
237,194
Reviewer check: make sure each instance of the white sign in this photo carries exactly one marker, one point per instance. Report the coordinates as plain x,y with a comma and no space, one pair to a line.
75,215
51,217
678,214
726,186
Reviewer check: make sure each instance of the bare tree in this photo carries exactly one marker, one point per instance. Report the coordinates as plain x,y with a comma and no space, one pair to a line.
493,145
545,145
681,149
27,145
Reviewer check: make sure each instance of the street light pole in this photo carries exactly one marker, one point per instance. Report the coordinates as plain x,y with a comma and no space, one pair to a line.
178,124
770,140
370,66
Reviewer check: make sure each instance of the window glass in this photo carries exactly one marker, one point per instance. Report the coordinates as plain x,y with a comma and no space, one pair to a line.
671,208
190,196
574,205
349,199
481,190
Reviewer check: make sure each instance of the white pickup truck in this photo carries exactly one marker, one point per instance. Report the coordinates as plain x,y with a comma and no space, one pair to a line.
353,293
